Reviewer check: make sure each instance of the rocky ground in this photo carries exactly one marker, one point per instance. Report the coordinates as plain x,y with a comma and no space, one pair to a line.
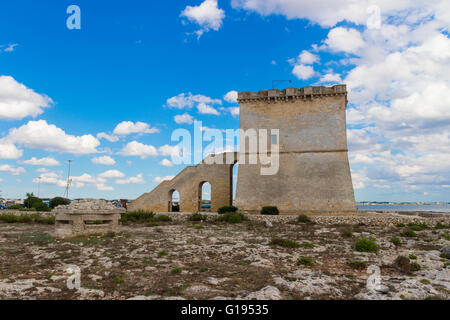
218,260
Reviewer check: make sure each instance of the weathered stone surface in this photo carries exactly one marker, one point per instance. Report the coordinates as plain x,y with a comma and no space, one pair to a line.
215,169
314,172
87,216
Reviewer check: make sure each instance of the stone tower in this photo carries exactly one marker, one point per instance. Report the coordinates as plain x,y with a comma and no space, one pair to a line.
314,172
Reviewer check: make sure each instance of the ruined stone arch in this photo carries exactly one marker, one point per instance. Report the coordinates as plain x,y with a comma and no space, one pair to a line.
170,201
200,194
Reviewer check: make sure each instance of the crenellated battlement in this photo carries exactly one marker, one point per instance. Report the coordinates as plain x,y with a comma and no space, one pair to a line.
292,93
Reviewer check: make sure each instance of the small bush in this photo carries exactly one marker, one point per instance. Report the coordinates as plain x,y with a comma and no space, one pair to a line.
358,265
415,266
27,218
366,245
226,209
303,218
347,233
308,245
15,207
139,216
231,217
270,211
396,241
409,233
58,201
403,264
285,243
163,218
197,217
305,261
417,227
439,225
162,253
400,225
176,271
413,257
41,207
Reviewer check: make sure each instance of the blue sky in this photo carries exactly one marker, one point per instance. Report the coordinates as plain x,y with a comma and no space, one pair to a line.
130,59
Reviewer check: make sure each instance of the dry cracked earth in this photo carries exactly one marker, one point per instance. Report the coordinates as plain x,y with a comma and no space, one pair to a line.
214,260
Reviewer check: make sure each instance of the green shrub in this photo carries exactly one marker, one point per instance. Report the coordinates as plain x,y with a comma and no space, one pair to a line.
400,225
305,261
415,266
408,233
226,209
396,241
176,271
15,207
358,265
27,218
162,253
303,218
347,233
162,218
439,225
403,264
417,227
308,245
197,217
413,257
231,217
41,207
285,243
270,211
140,216
59,201
366,245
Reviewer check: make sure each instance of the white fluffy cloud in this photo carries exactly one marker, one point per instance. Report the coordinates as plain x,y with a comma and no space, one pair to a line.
331,78
184,118
303,72
9,151
231,97
17,101
203,108
127,127
207,15
105,160
108,137
132,180
50,178
235,111
307,57
46,162
137,149
344,40
189,100
166,163
111,174
12,170
161,179
41,135
167,150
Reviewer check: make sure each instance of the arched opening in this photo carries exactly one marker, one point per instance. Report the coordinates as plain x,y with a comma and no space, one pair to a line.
174,202
234,177
204,201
